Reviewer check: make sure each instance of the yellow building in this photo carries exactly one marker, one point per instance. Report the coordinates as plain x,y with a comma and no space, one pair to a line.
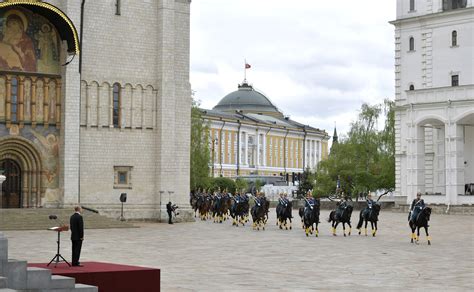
250,135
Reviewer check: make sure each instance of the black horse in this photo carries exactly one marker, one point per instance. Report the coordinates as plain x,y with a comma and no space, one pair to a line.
369,215
311,219
259,213
239,211
283,213
301,213
344,218
420,221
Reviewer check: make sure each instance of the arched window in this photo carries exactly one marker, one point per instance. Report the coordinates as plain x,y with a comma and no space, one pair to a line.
116,101
454,38
412,44
412,5
14,99
412,87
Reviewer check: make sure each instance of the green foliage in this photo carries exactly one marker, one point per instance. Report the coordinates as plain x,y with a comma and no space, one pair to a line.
223,183
259,184
241,185
365,160
200,157
306,183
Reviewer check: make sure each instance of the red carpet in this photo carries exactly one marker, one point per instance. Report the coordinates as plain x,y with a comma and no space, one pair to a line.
110,277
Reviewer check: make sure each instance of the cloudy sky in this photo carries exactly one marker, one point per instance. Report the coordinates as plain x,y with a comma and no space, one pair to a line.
316,60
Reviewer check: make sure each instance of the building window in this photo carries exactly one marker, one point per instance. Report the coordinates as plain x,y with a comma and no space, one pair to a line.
14,99
454,4
412,44
454,38
117,7
117,102
412,5
123,177
412,87
454,80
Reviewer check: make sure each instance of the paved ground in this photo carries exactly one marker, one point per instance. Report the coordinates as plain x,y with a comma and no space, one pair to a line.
204,256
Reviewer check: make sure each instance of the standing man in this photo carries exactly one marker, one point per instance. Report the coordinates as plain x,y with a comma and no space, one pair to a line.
169,210
77,235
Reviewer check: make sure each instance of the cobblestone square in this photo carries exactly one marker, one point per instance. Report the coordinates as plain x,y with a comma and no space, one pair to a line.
206,256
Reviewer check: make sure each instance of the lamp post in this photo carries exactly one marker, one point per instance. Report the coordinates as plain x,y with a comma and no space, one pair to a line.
213,148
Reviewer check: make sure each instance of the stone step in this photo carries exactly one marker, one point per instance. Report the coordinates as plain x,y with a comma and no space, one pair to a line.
85,288
62,282
15,272
8,290
38,219
38,278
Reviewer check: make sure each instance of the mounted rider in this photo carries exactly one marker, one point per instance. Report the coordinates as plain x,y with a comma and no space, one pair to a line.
283,200
310,201
258,199
416,206
370,204
341,206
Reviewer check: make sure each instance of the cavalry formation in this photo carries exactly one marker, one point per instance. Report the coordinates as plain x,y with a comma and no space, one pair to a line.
220,206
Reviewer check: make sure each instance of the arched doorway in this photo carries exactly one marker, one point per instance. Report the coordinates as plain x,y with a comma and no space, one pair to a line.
11,187
21,162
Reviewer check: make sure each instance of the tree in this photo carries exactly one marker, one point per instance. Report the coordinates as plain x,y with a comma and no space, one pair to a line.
222,184
364,161
241,185
306,183
200,155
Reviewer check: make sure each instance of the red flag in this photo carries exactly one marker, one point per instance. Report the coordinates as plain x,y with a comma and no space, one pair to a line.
247,66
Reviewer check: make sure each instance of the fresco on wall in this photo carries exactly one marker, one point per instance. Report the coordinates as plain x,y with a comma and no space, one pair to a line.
28,43
47,142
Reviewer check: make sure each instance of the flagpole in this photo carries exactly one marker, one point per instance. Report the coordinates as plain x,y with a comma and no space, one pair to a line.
245,71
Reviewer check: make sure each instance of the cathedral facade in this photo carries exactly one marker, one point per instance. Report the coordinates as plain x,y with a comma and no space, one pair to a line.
249,136
94,102
434,89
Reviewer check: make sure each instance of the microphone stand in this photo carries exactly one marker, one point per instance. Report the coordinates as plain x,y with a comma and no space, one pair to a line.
58,257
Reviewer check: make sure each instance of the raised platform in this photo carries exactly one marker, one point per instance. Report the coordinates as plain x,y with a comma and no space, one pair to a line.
109,277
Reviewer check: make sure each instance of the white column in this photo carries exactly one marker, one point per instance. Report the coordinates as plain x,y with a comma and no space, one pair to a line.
246,156
257,163
264,142
70,122
454,163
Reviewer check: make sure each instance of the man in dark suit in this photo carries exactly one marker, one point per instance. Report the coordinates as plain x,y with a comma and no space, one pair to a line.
77,235
169,210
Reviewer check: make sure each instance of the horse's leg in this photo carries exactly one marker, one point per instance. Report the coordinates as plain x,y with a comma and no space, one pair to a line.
365,229
316,230
372,228
350,228
344,228
290,223
417,236
375,230
427,235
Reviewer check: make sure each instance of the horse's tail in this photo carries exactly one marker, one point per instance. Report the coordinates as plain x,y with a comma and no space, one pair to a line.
330,215
361,220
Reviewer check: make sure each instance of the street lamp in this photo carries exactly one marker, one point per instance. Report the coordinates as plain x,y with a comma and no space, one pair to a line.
213,148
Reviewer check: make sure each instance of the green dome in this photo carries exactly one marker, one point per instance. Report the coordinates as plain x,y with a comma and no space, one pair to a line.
246,99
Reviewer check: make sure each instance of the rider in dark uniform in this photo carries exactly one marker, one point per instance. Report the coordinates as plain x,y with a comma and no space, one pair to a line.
370,205
416,206
341,206
309,200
